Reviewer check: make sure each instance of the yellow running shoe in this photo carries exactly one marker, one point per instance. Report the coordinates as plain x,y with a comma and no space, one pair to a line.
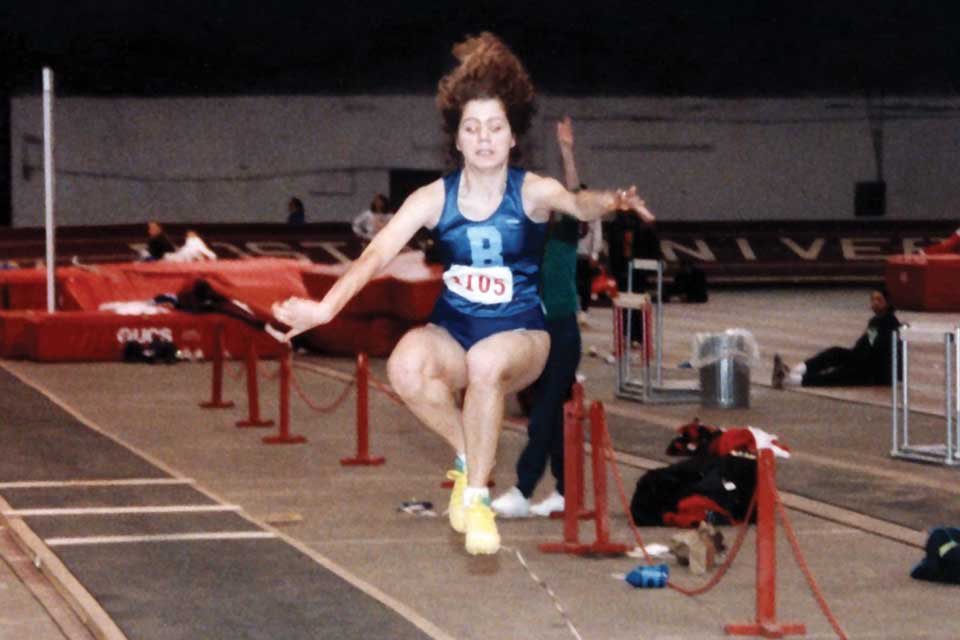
482,535
456,509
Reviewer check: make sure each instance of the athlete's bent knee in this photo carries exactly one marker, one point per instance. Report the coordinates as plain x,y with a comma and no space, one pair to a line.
484,371
405,373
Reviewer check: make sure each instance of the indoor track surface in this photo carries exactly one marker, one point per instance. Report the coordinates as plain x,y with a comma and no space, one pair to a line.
157,519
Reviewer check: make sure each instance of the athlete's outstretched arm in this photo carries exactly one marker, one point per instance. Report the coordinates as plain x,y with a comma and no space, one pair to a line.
422,208
571,177
542,195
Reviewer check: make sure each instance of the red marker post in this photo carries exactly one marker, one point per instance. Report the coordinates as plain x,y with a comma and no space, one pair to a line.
284,436
363,418
216,400
253,393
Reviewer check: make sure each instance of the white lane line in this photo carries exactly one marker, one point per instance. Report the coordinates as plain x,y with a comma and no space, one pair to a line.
122,482
160,537
99,511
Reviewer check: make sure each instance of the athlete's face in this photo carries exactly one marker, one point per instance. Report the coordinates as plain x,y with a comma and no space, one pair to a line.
484,137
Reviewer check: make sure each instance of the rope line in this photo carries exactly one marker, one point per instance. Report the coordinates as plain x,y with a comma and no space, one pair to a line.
238,373
728,561
269,375
318,408
330,373
731,555
384,388
611,456
802,563
350,378
735,548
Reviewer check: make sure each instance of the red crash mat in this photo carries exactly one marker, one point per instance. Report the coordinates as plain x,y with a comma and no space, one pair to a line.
924,282
92,336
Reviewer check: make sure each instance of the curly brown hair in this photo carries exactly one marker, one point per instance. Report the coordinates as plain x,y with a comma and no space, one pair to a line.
487,69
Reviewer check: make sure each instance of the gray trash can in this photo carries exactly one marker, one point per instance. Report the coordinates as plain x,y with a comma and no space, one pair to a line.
724,362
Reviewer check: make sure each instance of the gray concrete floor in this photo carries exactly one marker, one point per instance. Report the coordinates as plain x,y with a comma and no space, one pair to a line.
860,526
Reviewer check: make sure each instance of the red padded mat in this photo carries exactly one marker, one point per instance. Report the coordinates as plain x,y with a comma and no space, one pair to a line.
924,283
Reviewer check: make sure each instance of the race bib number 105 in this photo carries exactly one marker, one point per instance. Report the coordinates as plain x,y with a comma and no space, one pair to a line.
486,285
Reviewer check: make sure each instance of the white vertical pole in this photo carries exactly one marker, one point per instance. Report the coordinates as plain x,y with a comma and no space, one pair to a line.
894,399
956,392
659,330
48,185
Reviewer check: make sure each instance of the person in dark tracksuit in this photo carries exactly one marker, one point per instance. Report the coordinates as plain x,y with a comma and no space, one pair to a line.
559,295
868,363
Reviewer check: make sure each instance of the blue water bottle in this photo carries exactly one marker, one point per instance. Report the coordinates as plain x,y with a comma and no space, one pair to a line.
649,577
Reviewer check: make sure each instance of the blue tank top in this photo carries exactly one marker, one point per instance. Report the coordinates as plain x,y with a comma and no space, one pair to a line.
492,267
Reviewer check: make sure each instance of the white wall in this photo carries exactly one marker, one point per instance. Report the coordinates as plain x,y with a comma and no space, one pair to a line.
125,160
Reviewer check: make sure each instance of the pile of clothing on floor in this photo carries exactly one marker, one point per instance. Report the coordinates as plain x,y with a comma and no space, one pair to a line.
942,560
713,484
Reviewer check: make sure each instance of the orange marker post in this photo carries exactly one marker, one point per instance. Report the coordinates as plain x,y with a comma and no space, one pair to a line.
766,624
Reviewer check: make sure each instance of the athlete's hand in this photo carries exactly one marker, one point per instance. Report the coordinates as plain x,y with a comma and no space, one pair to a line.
628,200
301,315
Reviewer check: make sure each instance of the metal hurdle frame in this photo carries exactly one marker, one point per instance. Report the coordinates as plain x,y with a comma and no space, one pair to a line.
650,387
946,453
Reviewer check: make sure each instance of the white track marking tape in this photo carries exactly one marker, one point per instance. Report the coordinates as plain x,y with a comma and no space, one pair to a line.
124,482
168,537
99,511
553,596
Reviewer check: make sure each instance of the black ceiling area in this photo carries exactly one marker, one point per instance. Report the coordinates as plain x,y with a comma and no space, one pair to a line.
726,48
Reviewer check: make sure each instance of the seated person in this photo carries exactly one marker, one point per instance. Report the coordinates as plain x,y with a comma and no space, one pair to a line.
158,244
869,362
194,249
950,245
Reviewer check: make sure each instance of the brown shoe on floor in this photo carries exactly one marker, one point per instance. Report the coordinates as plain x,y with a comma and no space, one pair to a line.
779,372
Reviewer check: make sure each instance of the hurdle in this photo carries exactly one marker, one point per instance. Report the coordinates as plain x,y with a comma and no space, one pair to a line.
901,444
650,387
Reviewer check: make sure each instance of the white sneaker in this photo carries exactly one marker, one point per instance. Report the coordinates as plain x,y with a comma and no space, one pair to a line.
512,504
552,503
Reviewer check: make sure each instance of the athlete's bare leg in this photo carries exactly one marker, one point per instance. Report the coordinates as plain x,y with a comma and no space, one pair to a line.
427,369
500,364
